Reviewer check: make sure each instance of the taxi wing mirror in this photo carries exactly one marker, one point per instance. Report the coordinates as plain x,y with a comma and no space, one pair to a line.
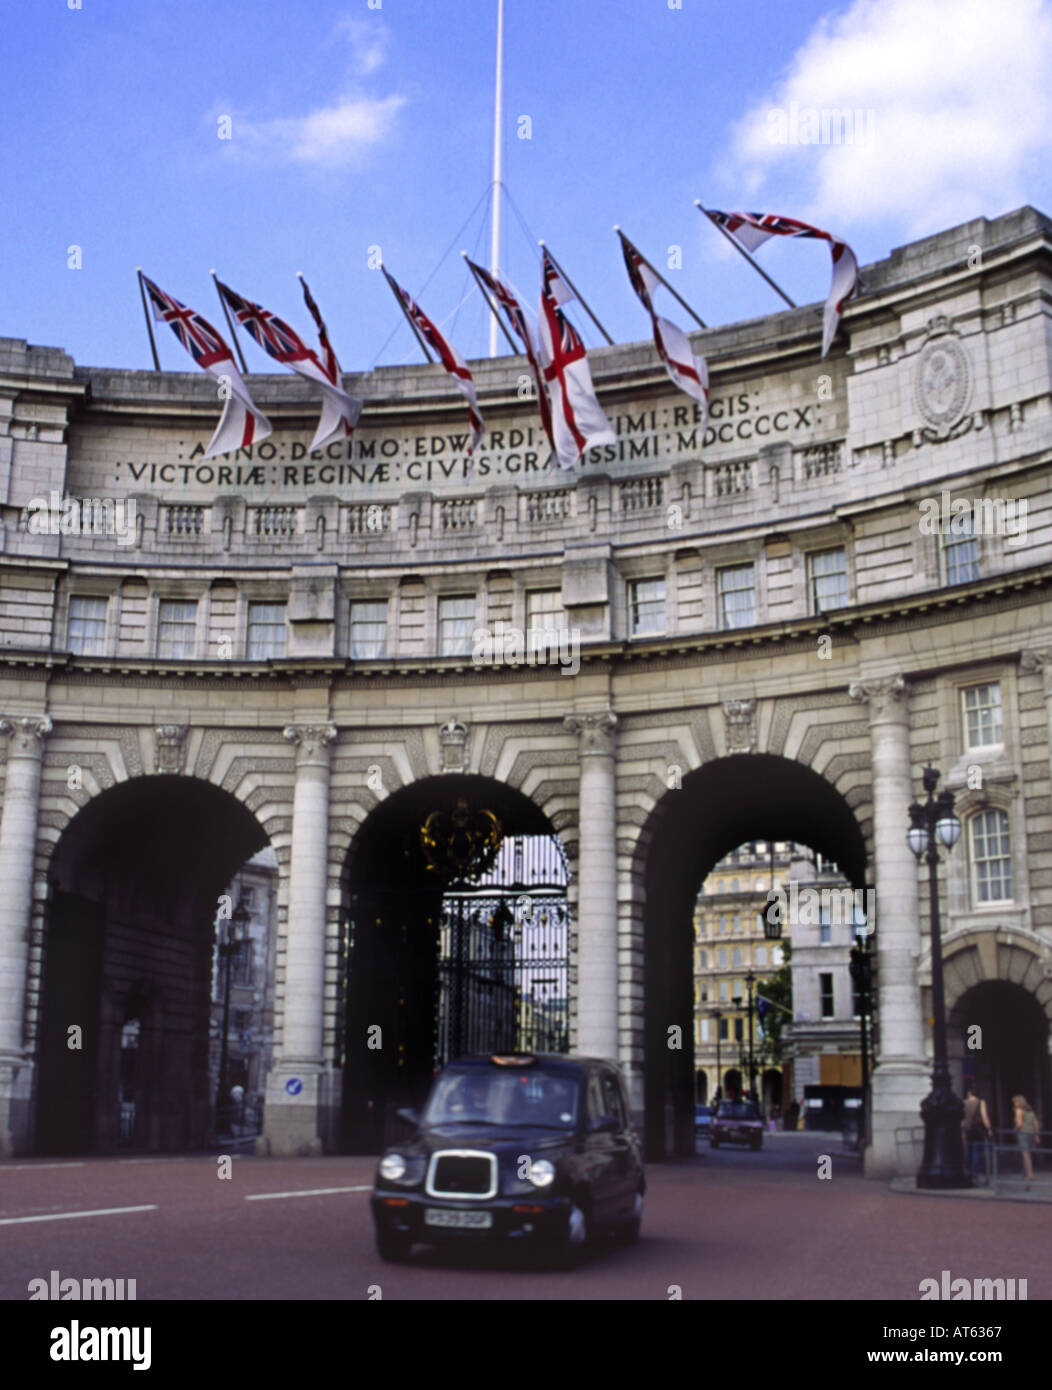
409,1115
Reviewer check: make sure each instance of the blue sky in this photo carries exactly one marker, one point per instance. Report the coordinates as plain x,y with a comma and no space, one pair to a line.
353,127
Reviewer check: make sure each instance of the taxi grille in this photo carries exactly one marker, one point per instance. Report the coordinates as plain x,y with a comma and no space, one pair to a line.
462,1175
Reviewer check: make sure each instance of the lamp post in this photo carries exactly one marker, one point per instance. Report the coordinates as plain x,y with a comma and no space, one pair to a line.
933,823
718,1093
233,931
750,981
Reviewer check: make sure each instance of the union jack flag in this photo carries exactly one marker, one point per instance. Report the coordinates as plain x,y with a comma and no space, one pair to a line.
196,334
241,422
686,370
578,421
516,316
273,335
339,411
752,229
447,355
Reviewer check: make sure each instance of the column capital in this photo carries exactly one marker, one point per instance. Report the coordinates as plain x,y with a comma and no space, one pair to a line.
1033,659
311,740
885,695
27,734
595,732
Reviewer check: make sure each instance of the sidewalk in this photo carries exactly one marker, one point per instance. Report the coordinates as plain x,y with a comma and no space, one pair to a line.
1010,1190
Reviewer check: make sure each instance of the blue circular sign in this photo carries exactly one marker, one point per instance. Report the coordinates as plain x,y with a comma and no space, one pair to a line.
294,1085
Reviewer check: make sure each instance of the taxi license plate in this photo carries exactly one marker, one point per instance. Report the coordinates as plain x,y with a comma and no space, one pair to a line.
477,1220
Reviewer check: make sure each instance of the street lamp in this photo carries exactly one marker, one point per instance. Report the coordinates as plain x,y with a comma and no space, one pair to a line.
233,932
750,981
718,1093
933,823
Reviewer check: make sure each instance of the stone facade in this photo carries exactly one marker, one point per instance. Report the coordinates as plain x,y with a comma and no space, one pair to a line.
843,675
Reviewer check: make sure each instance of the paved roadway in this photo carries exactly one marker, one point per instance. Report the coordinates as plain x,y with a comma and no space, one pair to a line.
728,1225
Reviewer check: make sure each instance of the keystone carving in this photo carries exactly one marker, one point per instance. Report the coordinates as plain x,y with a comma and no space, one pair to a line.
739,718
595,732
170,749
453,736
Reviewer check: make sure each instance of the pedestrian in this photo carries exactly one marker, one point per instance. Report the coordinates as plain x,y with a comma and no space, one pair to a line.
976,1130
1027,1134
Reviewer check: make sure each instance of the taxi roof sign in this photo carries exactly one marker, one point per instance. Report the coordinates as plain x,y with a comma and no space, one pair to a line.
514,1060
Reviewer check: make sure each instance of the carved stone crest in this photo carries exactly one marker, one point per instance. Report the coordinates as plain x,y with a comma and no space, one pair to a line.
453,736
170,748
942,383
740,725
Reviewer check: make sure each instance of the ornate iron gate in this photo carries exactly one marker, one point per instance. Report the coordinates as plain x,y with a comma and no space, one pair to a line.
504,956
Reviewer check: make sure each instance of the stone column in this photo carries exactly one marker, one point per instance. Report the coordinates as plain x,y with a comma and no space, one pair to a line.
596,886
900,1078
18,833
296,1090
1041,660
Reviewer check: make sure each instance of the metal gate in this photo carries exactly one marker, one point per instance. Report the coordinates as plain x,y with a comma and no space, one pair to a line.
504,956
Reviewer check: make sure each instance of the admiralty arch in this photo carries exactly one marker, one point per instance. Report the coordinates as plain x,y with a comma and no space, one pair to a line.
766,629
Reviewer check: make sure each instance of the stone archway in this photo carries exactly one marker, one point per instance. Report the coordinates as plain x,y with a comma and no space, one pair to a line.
435,965
133,886
719,806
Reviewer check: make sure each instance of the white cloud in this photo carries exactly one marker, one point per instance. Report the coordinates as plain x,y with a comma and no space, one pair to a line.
951,98
341,132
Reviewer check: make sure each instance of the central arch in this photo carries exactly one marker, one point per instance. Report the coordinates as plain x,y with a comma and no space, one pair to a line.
133,889
438,966
749,796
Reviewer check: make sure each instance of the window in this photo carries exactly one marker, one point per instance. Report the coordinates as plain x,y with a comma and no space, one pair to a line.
242,1020
825,929
828,580
646,606
704,957
960,551
739,1030
991,857
266,631
544,609
737,596
759,955
368,631
612,1099
704,1031
723,1029
721,958
723,924
736,957
87,626
825,990
736,923
176,628
243,965
981,713
724,994
456,620
777,955
735,885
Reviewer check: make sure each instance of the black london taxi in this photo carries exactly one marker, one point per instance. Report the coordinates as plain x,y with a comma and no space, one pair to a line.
737,1122
536,1149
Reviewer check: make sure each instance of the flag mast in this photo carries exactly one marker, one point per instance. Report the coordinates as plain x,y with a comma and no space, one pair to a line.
494,246
146,315
742,252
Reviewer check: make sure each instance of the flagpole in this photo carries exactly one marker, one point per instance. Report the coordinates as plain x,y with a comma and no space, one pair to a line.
226,315
675,294
146,315
405,311
742,251
494,246
577,293
492,307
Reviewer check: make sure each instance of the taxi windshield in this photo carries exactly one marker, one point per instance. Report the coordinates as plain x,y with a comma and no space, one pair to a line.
738,1110
508,1097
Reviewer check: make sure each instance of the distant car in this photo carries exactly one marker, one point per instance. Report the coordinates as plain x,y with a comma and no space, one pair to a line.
531,1149
702,1117
737,1122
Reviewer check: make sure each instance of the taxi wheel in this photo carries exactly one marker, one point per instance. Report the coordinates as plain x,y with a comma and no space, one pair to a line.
393,1246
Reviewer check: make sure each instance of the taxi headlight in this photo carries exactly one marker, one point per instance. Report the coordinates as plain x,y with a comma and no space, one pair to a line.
542,1172
392,1167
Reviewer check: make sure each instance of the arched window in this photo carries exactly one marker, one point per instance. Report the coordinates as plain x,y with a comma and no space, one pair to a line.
704,959
721,958
736,956
759,955
735,885
991,851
